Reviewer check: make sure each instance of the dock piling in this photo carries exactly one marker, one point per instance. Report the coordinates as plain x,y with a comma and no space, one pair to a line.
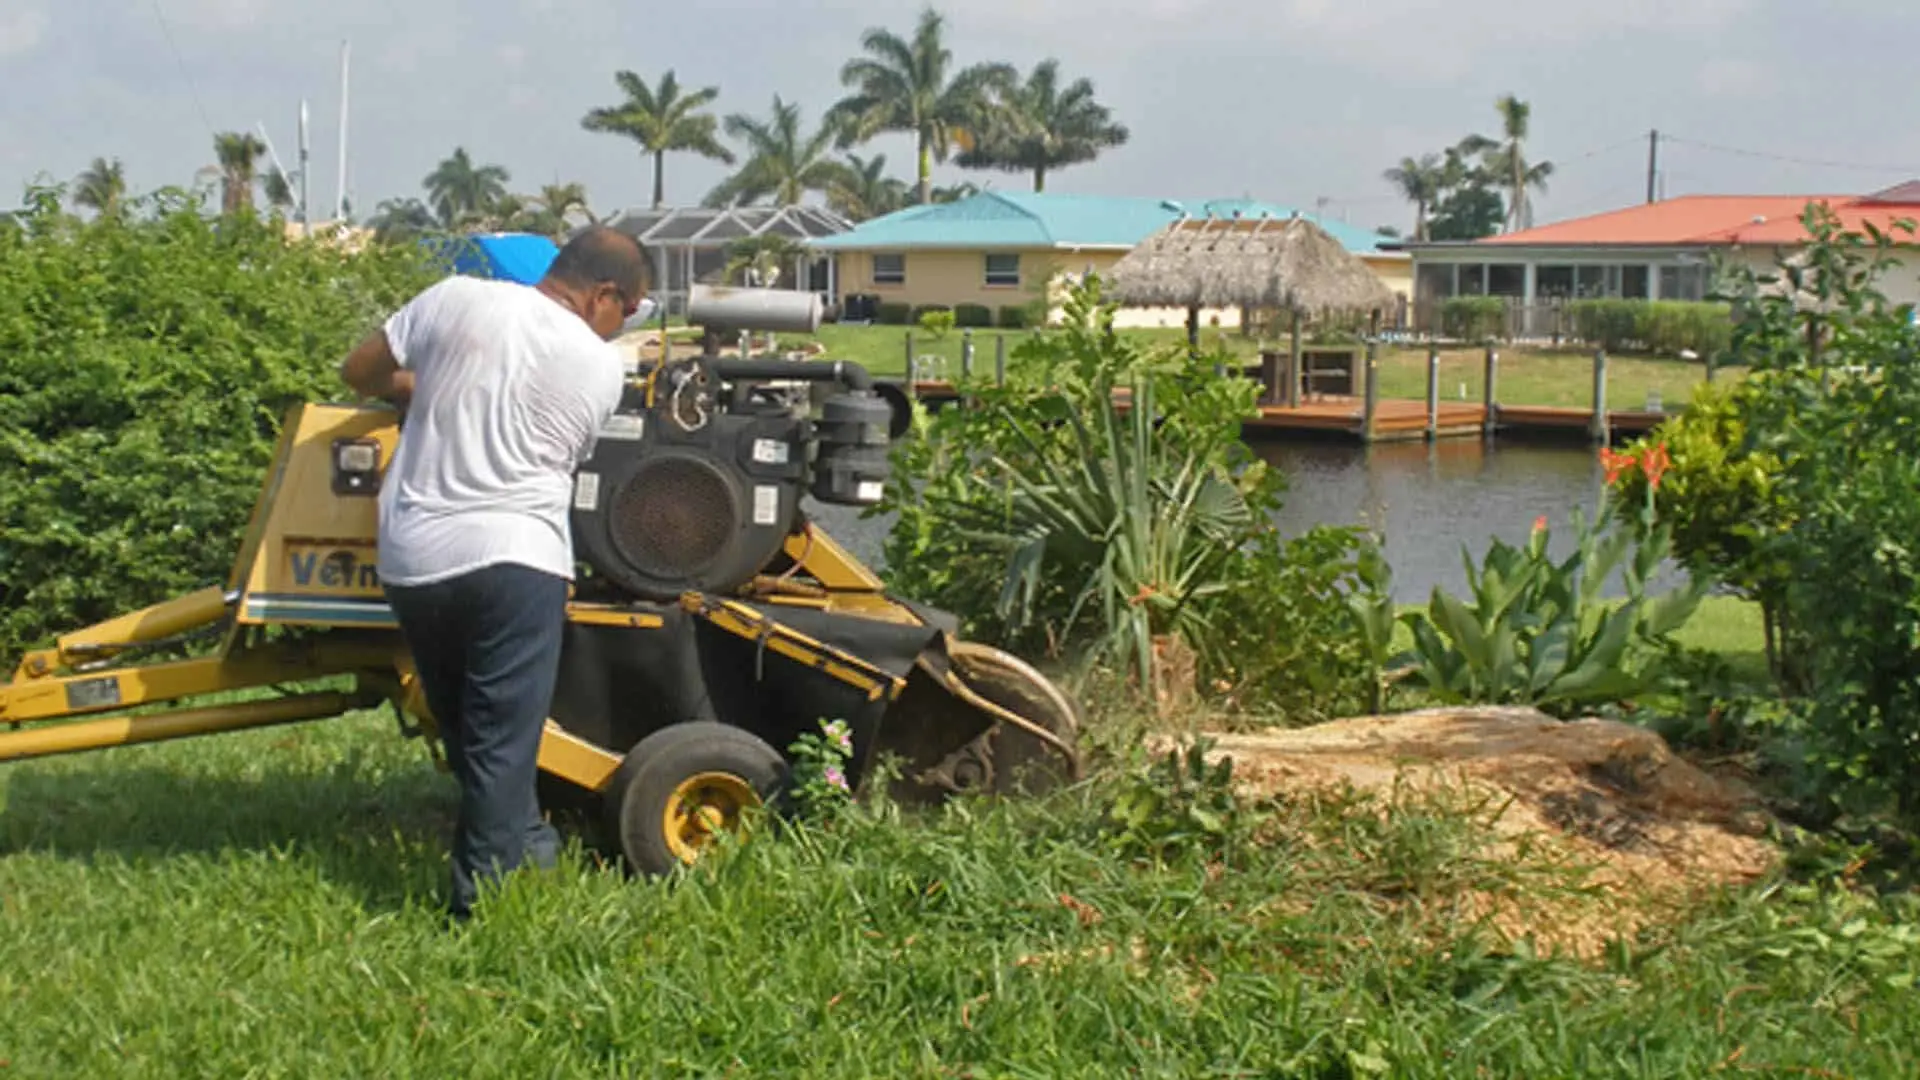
1491,421
966,353
1433,392
1372,400
913,373
1000,359
1599,425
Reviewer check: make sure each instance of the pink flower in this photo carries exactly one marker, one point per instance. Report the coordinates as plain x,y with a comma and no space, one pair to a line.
835,778
1540,523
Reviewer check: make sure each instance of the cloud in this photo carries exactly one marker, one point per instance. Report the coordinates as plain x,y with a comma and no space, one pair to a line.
21,30
1728,78
1412,39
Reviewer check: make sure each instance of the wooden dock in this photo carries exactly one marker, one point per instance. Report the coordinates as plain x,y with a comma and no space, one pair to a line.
1405,419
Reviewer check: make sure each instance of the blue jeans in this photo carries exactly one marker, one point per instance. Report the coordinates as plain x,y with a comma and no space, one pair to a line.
487,647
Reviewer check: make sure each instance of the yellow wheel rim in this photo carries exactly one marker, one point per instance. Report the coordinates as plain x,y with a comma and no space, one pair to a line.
703,806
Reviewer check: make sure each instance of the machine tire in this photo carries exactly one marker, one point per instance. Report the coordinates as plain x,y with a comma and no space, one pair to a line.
682,783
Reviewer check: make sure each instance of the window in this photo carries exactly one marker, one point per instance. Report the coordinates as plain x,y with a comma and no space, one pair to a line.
1003,270
1506,279
1684,282
1633,282
889,269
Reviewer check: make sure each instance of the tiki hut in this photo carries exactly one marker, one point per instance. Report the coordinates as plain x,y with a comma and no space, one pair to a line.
1257,264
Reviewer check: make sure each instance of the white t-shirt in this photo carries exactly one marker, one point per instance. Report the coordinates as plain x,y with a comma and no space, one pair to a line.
510,392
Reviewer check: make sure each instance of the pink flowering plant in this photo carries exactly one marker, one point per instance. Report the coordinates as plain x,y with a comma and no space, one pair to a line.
820,768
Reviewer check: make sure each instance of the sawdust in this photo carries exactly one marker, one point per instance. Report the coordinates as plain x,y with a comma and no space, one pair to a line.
1656,831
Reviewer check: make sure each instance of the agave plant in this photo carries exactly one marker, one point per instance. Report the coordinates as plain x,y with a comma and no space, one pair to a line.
1135,527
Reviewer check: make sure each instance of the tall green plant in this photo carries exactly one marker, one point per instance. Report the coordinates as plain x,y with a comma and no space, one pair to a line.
1051,519
1836,369
1538,631
146,362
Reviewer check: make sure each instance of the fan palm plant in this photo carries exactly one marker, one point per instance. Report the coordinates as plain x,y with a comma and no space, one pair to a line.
1135,527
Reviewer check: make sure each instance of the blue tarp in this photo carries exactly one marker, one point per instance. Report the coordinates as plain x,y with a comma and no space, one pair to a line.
521,257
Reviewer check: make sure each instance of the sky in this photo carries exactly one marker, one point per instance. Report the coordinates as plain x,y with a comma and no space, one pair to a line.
1301,103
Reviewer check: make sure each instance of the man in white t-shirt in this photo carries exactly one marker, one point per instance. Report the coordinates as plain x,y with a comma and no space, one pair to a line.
505,388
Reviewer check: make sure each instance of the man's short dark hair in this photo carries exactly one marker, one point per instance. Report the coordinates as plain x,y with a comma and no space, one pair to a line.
599,254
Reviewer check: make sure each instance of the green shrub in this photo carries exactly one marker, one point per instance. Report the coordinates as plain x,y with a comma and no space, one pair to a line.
1610,324
1051,522
1014,317
973,315
1837,425
892,313
1717,496
935,321
1473,318
1663,327
920,311
146,364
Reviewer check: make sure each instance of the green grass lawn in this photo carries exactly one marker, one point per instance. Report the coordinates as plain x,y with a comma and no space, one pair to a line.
1527,375
265,904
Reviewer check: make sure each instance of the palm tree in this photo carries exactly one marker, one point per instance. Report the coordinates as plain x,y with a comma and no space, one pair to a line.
761,260
1038,125
1506,158
965,189
559,200
904,86
662,120
864,190
102,187
400,220
459,190
279,189
782,163
1421,183
238,154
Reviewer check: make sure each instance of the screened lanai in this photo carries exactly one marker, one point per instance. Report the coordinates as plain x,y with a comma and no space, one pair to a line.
689,244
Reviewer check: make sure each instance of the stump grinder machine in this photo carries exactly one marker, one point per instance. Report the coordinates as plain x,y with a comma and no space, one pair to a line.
712,622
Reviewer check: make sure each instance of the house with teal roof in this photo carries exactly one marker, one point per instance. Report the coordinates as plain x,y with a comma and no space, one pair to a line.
1004,251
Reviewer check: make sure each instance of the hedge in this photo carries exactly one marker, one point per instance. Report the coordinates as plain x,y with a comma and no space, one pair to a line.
1014,317
975,315
1664,327
146,363
1473,318
892,313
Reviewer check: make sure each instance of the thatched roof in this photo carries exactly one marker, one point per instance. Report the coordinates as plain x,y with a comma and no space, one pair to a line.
1261,263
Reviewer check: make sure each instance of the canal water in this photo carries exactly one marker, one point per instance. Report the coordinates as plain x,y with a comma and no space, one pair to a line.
1425,500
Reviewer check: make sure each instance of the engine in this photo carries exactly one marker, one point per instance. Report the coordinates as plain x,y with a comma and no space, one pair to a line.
697,480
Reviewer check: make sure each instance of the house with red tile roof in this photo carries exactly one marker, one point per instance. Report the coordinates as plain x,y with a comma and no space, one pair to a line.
1662,250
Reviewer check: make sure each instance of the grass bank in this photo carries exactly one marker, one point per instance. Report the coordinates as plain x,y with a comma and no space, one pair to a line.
1527,375
264,904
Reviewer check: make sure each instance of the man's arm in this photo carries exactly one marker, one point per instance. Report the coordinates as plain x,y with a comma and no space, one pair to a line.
372,371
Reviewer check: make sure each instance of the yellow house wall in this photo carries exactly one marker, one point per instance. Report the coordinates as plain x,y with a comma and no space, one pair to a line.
951,278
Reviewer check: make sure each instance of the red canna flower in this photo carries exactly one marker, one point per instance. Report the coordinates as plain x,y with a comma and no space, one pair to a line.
1614,464
1654,462
1540,523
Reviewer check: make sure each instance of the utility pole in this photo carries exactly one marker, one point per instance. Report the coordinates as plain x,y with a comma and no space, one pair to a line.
1653,162
306,174
340,205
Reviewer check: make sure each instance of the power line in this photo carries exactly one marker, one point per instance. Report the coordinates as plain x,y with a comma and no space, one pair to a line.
1790,159
184,73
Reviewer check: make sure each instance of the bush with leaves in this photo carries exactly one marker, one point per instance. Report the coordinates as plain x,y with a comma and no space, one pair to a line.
1717,498
146,363
1836,372
1053,520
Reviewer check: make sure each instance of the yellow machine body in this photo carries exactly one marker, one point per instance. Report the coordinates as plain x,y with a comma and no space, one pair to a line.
303,603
